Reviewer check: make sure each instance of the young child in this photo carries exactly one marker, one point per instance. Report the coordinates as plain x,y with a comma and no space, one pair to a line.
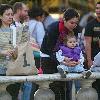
70,51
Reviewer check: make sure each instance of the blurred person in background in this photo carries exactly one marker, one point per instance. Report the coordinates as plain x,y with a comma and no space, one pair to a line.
48,19
36,28
37,32
20,13
92,40
89,15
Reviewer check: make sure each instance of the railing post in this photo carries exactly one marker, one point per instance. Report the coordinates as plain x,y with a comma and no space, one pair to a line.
4,95
44,93
73,91
87,92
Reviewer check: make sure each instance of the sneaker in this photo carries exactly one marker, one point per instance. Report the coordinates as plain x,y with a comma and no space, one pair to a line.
88,73
62,73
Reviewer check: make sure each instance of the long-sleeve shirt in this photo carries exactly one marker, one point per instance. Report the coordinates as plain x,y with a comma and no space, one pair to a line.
37,31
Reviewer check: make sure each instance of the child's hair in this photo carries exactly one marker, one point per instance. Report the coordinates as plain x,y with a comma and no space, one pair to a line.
67,37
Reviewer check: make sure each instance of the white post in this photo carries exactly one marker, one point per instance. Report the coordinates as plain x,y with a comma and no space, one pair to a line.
73,91
87,92
4,95
44,93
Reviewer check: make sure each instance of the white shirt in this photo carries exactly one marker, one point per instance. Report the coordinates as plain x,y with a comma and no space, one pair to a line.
37,31
48,20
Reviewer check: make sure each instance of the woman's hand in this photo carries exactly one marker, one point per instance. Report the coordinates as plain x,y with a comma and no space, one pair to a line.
14,53
10,53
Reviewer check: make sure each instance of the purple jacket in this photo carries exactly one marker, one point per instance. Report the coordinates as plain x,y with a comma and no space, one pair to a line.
73,53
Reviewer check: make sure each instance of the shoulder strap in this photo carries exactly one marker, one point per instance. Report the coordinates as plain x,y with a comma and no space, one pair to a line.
14,35
34,28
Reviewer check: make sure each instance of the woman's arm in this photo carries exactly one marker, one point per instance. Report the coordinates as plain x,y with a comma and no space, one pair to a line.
88,40
40,32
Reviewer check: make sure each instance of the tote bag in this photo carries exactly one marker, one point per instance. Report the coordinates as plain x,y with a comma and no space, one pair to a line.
25,63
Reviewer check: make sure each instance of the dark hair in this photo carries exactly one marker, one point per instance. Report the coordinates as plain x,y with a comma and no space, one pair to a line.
3,8
90,18
70,13
16,6
98,2
46,13
35,12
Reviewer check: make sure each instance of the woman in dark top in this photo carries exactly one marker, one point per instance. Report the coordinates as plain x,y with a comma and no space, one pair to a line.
53,38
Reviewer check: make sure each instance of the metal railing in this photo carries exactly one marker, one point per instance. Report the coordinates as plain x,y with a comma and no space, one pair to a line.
43,80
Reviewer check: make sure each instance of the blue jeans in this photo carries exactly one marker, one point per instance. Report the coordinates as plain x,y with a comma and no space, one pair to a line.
77,68
27,87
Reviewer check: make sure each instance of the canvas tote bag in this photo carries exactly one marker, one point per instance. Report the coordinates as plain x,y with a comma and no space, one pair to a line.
25,63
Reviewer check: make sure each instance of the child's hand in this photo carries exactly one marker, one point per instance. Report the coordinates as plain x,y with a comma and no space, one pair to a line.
77,62
66,59
70,63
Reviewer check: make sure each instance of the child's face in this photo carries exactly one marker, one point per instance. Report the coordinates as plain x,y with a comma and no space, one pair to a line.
71,43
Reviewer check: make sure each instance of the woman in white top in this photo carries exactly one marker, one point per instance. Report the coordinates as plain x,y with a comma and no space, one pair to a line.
36,27
36,30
